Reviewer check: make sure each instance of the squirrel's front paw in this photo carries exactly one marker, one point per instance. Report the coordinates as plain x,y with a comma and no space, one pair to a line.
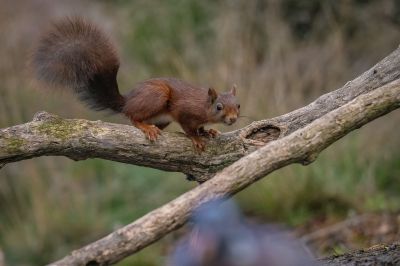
198,144
210,133
213,133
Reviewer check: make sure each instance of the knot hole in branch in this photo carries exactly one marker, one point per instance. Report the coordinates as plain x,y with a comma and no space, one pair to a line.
265,133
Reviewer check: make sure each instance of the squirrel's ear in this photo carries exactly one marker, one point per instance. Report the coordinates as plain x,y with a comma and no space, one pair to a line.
212,95
233,90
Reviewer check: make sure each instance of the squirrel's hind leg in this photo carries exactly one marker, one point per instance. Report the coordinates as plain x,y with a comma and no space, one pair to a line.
151,131
146,107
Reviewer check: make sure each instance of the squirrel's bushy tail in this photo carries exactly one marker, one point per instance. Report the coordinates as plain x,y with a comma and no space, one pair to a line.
77,55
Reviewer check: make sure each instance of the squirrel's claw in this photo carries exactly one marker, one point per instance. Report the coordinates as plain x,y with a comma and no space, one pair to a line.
213,133
152,132
198,143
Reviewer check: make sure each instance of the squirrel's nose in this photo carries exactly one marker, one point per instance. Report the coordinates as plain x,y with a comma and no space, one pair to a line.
232,120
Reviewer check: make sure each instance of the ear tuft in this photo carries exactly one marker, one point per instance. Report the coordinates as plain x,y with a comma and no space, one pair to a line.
233,90
212,95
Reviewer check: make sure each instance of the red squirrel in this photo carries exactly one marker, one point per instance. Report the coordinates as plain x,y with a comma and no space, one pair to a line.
76,54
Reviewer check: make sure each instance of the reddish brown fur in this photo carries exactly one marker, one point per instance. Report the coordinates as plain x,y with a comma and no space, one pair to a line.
77,55
176,100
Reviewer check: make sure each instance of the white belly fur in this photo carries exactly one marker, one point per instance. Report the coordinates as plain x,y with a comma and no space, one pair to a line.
160,119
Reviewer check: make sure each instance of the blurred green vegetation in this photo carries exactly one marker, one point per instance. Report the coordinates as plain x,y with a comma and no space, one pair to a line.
282,54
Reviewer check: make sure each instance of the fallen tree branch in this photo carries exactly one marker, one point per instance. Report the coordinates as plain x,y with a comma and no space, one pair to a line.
81,139
302,146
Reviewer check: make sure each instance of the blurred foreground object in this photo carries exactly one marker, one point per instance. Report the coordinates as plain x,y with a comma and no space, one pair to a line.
221,236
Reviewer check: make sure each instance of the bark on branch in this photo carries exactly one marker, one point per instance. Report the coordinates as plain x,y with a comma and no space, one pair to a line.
81,139
380,255
300,146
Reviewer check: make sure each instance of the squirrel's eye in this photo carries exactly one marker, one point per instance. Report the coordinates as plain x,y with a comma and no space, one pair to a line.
238,106
219,106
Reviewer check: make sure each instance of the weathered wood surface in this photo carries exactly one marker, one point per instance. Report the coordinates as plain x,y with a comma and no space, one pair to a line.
301,146
49,135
